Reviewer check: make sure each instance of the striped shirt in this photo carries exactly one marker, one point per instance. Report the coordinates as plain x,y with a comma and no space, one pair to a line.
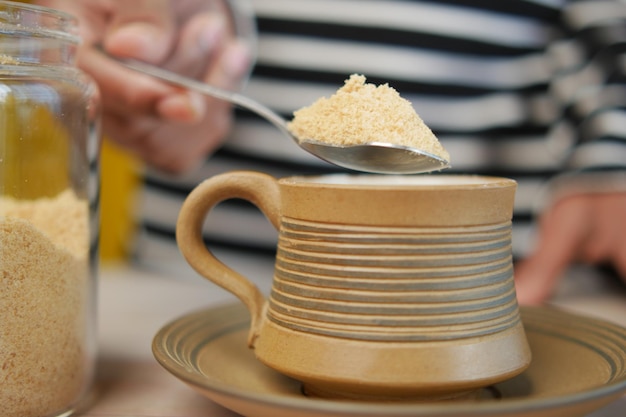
525,89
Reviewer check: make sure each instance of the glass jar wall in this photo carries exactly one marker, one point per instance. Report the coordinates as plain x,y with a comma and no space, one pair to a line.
49,182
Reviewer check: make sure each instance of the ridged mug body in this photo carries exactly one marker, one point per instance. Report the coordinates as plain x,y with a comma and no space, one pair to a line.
385,288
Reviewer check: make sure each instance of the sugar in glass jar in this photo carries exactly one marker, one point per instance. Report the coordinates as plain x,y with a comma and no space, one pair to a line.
49,182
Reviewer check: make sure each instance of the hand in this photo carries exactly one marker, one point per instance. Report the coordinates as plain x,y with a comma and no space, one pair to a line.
168,128
587,227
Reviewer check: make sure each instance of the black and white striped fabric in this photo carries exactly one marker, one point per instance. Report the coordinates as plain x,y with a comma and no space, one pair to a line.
526,89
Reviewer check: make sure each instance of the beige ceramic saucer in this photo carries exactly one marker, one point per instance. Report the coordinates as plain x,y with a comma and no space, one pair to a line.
579,365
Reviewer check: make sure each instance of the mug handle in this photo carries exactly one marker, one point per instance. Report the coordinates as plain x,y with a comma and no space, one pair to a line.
261,190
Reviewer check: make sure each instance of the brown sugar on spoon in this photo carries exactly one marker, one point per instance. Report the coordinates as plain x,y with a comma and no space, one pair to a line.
360,113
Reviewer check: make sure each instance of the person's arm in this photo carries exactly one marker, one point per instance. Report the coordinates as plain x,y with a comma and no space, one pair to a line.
168,128
584,219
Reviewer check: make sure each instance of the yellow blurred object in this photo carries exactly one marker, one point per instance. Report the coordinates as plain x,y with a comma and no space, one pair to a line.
34,150
121,178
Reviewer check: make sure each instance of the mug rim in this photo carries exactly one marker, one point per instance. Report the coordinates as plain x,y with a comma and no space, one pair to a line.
374,181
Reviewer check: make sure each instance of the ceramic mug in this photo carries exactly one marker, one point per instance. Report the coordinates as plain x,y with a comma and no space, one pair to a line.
385,287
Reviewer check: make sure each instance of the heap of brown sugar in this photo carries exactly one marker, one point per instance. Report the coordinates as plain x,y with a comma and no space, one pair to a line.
44,265
361,112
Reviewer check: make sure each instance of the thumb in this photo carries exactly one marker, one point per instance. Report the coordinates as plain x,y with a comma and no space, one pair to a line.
141,29
563,229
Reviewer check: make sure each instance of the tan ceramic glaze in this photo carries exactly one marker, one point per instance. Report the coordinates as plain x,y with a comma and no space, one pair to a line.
579,366
385,287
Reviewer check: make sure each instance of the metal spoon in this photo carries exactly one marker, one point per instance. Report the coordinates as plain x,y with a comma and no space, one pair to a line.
375,157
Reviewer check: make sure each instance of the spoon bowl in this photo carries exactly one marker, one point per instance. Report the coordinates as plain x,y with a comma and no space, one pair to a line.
375,157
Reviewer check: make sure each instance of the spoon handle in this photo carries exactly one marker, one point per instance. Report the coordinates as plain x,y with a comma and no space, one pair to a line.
209,90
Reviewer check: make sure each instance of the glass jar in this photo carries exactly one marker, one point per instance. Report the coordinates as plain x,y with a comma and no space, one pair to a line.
49,184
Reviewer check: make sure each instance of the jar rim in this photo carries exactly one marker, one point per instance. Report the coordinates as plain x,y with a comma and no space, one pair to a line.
44,21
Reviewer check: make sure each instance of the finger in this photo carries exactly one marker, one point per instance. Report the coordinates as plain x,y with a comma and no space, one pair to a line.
142,29
562,230
232,66
186,107
124,91
228,73
199,43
